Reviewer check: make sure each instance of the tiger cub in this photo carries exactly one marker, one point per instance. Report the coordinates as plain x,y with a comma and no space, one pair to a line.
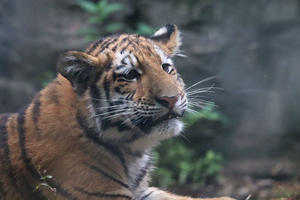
89,133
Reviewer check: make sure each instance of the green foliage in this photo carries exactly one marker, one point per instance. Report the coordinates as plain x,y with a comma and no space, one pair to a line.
207,113
101,23
179,164
99,15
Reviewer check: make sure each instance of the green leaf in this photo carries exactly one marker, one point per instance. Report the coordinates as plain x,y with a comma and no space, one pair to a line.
88,6
102,4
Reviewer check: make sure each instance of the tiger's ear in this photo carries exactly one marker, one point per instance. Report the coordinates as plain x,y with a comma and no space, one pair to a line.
77,67
169,37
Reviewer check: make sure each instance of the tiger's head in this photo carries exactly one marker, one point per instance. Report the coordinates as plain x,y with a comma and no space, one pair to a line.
130,85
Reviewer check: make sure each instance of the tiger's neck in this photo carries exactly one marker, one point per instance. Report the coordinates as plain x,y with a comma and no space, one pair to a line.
63,124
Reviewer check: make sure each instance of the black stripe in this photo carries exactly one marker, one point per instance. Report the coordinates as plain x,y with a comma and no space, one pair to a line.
118,90
105,124
149,49
123,61
22,141
107,175
36,113
147,124
90,133
95,45
6,157
131,95
123,40
142,174
96,96
114,76
147,195
111,42
127,45
24,190
106,44
120,67
100,194
138,60
27,160
124,48
114,48
108,66
106,86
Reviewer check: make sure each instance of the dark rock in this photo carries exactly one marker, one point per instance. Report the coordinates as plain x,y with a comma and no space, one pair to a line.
14,95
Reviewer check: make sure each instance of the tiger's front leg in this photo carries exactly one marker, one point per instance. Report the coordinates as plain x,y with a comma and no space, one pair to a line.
156,194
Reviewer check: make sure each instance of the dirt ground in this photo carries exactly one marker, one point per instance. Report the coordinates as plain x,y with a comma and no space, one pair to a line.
245,188
263,180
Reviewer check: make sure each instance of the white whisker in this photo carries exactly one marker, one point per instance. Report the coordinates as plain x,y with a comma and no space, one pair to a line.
199,82
196,100
131,118
192,111
114,111
117,115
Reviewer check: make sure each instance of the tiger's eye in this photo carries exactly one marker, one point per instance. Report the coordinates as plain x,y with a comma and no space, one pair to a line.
167,67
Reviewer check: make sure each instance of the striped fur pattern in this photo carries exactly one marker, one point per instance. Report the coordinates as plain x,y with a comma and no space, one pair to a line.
89,133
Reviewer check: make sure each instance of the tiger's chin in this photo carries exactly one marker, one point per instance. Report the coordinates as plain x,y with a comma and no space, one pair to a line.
167,128
160,131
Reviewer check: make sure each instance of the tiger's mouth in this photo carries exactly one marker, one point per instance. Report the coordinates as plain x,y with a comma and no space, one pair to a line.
170,115
149,122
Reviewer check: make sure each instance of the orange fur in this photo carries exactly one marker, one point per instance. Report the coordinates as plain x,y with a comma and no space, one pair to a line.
59,147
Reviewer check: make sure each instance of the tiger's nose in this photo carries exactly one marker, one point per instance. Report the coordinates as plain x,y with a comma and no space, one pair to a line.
168,102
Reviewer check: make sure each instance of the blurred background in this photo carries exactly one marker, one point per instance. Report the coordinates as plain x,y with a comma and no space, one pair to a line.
249,144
